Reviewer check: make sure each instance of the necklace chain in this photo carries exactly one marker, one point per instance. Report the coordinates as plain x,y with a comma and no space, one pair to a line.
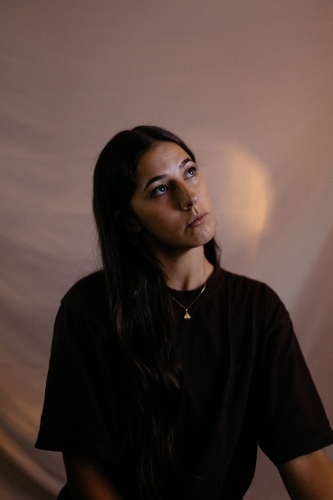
187,315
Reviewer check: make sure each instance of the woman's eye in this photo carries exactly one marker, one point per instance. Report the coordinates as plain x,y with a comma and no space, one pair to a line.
190,172
159,190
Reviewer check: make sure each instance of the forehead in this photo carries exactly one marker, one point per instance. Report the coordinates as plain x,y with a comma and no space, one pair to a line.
162,159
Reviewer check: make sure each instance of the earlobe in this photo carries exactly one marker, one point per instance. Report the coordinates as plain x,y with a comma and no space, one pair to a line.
129,221
132,226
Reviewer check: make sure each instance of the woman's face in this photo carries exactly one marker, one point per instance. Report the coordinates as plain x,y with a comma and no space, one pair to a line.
171,203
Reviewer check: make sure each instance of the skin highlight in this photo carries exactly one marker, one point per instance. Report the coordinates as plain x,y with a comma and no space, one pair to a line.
173,211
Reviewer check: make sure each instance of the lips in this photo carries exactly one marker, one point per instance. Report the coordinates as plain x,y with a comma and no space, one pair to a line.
197,219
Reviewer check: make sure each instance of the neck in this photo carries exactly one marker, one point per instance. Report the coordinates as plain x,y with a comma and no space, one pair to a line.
186,270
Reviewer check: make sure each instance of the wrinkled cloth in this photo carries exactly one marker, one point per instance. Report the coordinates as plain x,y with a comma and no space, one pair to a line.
245,382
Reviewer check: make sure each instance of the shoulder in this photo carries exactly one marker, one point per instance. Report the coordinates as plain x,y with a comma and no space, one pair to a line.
84,314
245,288
250,296
91,288
86,300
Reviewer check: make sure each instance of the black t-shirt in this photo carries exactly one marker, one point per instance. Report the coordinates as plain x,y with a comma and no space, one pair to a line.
245,382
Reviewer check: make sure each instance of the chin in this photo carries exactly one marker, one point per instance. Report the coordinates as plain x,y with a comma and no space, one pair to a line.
207,235
200,242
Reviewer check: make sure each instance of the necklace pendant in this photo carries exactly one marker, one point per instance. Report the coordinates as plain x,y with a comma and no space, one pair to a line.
187,316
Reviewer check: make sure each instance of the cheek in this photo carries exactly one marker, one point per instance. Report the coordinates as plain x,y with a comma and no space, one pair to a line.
205,196
159,220
154,219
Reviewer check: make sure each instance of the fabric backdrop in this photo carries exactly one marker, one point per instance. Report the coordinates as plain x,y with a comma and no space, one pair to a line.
248,84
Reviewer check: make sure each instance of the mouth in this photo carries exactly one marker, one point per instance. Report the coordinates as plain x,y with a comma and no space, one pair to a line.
197,220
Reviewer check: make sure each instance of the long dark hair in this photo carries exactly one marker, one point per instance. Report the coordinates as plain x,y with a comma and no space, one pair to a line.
141,315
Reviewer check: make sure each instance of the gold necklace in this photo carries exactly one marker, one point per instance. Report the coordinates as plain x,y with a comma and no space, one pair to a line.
187,315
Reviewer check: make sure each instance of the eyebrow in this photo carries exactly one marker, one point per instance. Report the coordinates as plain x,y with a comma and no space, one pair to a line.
160,177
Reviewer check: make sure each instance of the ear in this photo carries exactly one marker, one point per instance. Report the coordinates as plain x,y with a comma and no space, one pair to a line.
129,221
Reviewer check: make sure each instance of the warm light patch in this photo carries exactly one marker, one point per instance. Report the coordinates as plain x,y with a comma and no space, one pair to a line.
242,194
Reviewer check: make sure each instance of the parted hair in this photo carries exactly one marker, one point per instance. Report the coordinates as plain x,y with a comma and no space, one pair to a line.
141,319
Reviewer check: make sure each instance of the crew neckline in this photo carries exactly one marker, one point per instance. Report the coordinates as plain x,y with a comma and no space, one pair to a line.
214,277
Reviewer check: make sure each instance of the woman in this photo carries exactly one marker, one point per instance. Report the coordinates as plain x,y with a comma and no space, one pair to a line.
166,370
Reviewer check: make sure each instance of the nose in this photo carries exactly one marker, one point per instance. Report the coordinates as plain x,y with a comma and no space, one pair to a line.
187,197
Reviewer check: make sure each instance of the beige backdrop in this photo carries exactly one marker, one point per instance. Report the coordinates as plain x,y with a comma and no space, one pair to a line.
249,85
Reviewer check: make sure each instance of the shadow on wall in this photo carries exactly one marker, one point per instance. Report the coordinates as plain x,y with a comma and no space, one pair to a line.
16,484
313,316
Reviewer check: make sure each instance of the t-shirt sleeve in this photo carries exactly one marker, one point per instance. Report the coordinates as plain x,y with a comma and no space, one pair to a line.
79,413
292,418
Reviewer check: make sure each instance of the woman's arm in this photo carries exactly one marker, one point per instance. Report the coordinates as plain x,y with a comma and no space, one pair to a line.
86,480
309,477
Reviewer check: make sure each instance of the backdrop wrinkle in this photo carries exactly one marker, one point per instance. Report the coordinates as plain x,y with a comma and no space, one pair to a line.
247,84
